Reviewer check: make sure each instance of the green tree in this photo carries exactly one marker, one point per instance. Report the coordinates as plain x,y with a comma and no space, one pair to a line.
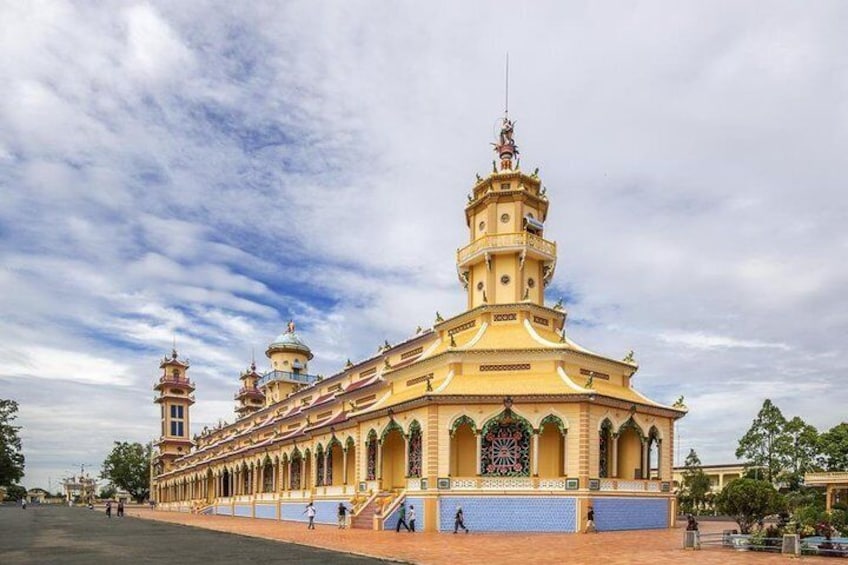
766,444
833,447
803,451
109,491
127,467
748,501
696,483
15,492
11,456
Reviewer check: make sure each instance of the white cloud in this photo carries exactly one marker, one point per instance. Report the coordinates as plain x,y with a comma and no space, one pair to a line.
208,171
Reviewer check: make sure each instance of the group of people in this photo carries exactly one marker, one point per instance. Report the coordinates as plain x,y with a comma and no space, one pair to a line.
120,513
407,520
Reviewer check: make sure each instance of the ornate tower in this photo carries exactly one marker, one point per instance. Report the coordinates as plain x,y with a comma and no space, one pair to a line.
249,397
289,358
175,397
508,259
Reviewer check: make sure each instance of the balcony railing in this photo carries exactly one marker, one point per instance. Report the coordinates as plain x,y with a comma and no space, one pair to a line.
532,243
176,381
823,478
246,391
287,376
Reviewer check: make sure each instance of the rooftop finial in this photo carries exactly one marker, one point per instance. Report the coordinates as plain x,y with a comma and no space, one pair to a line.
506,147
290,328
506,90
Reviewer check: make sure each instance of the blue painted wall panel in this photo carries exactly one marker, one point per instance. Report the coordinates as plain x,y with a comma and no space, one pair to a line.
390,523
242,510
326,511
268,511
223,510
630,513
509,514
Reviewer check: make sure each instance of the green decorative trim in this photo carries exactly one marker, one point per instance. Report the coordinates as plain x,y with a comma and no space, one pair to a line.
631,424
460,421
392,425
496,420
551,419
349,442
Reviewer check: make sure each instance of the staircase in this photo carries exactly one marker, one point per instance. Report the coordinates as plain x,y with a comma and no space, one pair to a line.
364,519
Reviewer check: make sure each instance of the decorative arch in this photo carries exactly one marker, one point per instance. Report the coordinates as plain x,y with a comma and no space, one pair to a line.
319,465
414,449
604,447
555,420
461,420
505,446
295,478
630,423
392,425
349,442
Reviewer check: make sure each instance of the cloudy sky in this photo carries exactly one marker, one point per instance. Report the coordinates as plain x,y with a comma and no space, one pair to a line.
210,170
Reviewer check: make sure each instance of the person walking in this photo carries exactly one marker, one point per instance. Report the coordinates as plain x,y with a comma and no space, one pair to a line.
412,518
402,518
342,516
310,513
23,504
120,509
459,520
109,509
590,522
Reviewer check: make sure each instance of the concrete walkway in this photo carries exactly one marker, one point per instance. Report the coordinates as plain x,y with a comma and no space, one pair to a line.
654,547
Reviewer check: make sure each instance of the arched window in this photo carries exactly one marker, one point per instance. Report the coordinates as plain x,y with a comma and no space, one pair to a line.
654,453
414,468
371,470
295,466
505,450
319,466
604,449
267,475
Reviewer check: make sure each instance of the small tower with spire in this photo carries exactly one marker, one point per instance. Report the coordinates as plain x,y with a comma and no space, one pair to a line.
175,397
249,397
508,259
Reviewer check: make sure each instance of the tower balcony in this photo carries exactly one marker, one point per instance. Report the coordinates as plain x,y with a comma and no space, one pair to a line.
168,381
521,242
288,377
249,392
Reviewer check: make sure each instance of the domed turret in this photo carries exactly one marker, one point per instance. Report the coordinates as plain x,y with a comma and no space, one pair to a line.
289,357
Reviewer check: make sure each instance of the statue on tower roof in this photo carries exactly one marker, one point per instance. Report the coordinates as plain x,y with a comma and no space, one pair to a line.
506,147
290,328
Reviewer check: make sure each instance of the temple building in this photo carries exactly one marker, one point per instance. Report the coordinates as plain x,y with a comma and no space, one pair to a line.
495,409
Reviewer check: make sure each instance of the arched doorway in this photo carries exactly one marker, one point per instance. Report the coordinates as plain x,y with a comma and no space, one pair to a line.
393,448
307,470
629,451
463,448
350,458
267,475
550,457
225,484
371,457
335,463
654,453
319,466
210,486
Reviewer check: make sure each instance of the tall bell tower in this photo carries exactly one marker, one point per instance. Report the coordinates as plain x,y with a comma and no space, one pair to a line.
175,398
508,259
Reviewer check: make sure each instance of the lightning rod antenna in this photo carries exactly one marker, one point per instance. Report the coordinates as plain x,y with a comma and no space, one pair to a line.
506,90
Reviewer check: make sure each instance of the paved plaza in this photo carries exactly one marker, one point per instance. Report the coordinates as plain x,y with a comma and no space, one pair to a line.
77,536
48,535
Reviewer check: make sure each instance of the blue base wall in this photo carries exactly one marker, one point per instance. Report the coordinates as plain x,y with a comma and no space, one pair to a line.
390,523
242,510
326,511
630,513
223,510
509,514
267,511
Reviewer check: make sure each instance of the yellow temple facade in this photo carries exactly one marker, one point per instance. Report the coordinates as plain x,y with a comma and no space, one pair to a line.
495,410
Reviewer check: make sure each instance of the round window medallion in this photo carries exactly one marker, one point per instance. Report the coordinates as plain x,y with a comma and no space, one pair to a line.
480,285
505,279
504,218
482,226
531,283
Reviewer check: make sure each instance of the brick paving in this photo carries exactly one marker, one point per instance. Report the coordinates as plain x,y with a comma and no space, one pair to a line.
654,547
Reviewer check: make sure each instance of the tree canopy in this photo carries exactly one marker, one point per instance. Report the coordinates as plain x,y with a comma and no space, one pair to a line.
803,442
766,444
11,456
128,467
833,446
748,501
696,483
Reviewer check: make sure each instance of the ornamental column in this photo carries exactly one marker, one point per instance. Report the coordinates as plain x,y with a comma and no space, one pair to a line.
379,472
479,456
406,455
646,461
565,453
614,471
344,465
534,469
